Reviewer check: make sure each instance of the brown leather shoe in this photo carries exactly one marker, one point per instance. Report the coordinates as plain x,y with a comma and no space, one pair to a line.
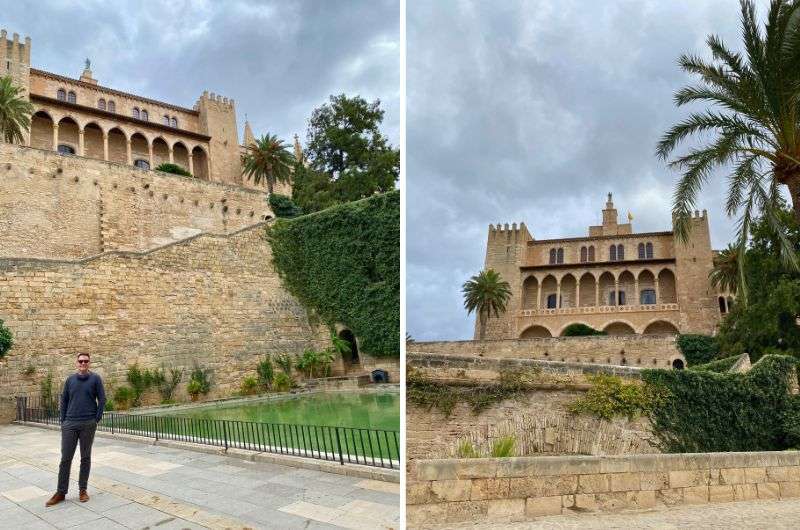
55,499
83,497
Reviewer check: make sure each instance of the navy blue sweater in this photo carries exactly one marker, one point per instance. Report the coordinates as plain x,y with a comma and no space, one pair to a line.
83,398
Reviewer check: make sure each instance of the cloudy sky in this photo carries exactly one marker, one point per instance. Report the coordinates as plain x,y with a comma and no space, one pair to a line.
278,60
531,111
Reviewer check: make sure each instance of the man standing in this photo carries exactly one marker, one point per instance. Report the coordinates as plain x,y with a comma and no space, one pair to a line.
82,404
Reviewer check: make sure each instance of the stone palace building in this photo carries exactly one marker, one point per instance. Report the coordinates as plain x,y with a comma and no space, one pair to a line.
613,280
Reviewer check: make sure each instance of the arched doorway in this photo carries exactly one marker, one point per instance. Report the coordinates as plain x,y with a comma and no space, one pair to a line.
677,364
619,328
42,131
535,332
347,336
660,327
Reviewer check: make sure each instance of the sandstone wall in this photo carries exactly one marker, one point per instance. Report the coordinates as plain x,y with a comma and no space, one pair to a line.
210,299
647,351
55,206
511,489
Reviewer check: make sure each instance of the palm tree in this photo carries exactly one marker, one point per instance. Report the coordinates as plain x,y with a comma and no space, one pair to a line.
268,159
725,274
757,124
15,112
486,293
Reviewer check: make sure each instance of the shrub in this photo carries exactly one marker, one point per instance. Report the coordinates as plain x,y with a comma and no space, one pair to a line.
249,386
344,264
610,396
286,362
29,370
580,330
201,377
109,407
466,450
140,381
173,168
266,373
123,397
46,392
720,365
194,388
168,382
283,206
283,383
504,447
6,339
698,349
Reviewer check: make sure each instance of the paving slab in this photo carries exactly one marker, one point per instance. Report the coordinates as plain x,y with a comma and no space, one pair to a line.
140,485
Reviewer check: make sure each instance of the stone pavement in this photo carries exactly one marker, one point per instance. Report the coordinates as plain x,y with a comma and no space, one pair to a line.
137,485
778,514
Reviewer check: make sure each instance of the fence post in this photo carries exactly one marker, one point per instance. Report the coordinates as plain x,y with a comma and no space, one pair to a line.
112,422
339,445
225,431
156,426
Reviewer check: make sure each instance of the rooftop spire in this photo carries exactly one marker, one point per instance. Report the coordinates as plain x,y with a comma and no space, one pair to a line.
298,151
249,139
86,76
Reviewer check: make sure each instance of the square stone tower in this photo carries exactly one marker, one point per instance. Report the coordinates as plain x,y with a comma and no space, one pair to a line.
694,260
15,59
218,120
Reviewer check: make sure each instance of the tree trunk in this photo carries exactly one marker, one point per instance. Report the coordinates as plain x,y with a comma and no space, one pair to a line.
793,182
482,320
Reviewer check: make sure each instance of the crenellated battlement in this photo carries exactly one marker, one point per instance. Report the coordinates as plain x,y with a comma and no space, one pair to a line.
212,98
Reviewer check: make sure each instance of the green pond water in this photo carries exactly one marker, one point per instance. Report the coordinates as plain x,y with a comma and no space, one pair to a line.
335,409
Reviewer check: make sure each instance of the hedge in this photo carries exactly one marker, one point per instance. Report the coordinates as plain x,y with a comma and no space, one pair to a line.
6,339
698,349
344,264
720,365
580,330
707,411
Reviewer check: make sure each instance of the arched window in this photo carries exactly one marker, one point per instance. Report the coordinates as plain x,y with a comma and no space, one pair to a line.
612,253
641,250
647,297
583,254
612,298
591,253
165,121
145,116
112,107
66,149
71,97
136,112
61,95
621,298
722,308
560,258
552,256
141,164
101,104
174,122
551,301
649,251
620,252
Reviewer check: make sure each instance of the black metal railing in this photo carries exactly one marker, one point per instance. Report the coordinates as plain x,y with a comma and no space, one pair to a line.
371,447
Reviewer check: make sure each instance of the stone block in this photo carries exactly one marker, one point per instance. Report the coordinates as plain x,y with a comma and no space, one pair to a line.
745,492
789,490
543,486
594,483
783,474
476,468
721,493
437,470
584,503
625,481
540,506
450,490
657,480
695,495
731,476
418,493
449,512
643,499
512,509
687,479
755,475
489,488
669,496
768,490
614,501
615,464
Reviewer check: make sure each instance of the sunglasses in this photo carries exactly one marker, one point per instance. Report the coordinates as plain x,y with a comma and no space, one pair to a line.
83,361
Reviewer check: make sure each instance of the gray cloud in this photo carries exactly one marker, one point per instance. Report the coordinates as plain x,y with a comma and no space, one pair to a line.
278,60
533,111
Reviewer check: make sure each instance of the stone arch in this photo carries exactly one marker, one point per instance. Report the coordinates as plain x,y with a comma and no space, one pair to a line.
568,290
627,289
530,293
348,336
201,163
647,287
666,287
606,288
42,130
180,154
660,327
549,289
117,146
160,151
619,327
535,332
565,326
68,132
140,148
678,364
588,289
93,140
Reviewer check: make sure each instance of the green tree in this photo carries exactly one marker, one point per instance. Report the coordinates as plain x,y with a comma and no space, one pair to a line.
268,159
15,112
486,293
725,274
347,155
757,129
6,339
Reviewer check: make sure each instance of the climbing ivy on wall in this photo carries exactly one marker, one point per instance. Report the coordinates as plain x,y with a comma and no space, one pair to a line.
706,411
6,339
698,349
344,264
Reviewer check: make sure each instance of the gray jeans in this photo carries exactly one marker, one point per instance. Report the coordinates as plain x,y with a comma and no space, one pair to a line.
73,432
